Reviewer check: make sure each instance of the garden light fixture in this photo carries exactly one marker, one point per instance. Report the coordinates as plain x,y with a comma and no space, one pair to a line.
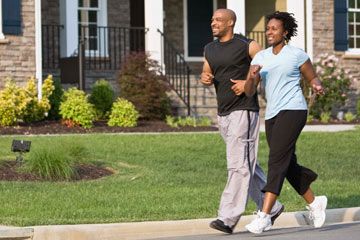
20,147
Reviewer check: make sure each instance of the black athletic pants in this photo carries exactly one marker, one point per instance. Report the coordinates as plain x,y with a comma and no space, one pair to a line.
282,132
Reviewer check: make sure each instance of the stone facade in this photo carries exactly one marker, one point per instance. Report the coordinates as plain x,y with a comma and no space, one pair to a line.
50,12
174,26
118,13
17,53
323,42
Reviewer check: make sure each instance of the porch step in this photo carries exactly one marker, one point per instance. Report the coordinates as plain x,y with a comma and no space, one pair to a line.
203,101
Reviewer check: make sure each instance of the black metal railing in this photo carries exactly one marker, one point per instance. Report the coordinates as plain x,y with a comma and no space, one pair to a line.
176,70
105,48
51,46
258,36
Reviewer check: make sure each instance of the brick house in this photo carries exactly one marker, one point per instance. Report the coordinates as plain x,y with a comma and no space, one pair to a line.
40,37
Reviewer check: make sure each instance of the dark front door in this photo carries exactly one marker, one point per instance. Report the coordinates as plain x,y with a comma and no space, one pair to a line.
199,13
137,20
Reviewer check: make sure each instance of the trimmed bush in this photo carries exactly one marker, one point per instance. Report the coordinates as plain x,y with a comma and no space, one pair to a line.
18,103
55,101
102,96
349,117
75,109
37,110
12,103
123,114
325,117
144,86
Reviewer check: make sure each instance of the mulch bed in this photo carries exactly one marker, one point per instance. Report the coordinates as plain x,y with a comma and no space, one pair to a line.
9,172
55,127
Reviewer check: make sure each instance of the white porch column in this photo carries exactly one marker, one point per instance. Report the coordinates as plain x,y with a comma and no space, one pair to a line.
298,8
1,32
238,6
69,34
38,47
154,20
309,28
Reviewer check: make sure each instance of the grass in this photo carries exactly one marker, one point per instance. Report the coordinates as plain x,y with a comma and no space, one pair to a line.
166,176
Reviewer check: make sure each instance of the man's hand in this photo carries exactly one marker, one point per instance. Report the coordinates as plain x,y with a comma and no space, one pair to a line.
238,87
207,78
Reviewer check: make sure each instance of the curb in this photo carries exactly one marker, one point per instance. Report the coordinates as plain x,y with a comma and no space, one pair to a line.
161,229
10,233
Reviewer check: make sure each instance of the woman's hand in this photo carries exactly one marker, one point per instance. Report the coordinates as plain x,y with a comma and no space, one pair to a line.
254,71
317,87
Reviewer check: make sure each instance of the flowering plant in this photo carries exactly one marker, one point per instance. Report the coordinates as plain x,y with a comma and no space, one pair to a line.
336,82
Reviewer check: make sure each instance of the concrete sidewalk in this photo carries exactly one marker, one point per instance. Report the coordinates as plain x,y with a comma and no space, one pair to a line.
323,128
163,229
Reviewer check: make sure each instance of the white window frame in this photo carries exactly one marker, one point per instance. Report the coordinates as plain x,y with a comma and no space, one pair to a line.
101,22
1,18
353,10
186,43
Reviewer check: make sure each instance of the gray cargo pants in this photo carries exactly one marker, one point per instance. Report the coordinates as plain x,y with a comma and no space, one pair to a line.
240,131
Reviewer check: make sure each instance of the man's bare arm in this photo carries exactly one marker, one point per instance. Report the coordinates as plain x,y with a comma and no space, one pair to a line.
206,76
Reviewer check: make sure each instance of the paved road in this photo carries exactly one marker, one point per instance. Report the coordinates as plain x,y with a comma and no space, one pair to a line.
346,231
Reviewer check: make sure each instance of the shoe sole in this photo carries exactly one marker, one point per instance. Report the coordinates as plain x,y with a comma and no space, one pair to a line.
216,227
257,232
273,218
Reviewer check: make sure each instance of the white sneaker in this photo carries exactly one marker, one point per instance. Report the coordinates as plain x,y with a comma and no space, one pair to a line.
317,211
261,223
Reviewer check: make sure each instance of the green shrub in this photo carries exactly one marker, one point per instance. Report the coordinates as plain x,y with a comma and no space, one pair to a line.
358,108
204,122
171,121
325,117
54,162
12,103
123,114
36,109
18,103
75,109
102,96
55,101
335,82
51,163
188,121
349,117
309,118
144,86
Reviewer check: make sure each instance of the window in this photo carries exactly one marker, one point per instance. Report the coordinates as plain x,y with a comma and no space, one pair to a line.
92,26
11,17
354,24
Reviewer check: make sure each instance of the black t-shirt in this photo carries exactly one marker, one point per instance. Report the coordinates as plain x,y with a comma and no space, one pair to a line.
230,60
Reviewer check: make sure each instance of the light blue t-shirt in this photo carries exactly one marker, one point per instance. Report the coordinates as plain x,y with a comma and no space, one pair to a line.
281,76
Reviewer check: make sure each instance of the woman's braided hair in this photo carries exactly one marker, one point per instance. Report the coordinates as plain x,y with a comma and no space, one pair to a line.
289,23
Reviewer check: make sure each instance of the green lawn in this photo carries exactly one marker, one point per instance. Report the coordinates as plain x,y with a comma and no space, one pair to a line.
167,176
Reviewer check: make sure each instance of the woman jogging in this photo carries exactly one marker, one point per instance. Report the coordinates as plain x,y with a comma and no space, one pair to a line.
280,67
